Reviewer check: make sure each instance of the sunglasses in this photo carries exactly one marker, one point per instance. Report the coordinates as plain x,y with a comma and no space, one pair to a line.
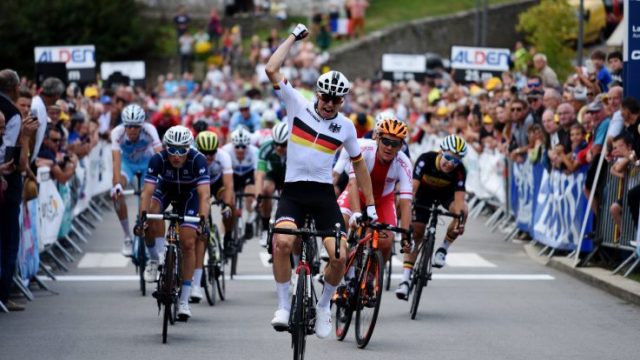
391,143
56,140
132,127
284,144
209,153
177,151
533,99
331,99
516,109
241,146
533,85
452,159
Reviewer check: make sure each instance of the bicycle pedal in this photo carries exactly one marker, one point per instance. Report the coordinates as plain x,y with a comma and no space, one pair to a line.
281,328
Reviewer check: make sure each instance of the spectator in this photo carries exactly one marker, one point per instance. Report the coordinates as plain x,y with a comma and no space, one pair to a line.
598,58
578,143
62,167
548,76
357,9
551,128
181,21
567,117
51,91
614,59
623,155
521,121
600,124
536,140
536,107
214,28
551,99
245,117
24,101
186,52
630,113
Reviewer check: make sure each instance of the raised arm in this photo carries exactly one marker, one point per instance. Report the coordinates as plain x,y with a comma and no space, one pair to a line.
277,59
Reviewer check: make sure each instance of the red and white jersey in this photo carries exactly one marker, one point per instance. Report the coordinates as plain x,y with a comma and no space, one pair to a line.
385,176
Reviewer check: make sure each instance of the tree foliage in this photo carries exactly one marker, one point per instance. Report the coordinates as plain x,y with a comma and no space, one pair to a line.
115,27
549,25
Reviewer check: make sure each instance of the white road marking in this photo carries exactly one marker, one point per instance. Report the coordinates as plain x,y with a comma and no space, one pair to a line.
103,260
268,277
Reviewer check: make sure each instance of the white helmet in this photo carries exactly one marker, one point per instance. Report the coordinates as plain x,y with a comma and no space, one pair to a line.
133,115
241,136
269,116
208,101
232,107
280,133
455,144
178,136
194,108
385,114
333,83
258,106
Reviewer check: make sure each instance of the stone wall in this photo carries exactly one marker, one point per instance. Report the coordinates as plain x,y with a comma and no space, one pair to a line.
199,9
364,58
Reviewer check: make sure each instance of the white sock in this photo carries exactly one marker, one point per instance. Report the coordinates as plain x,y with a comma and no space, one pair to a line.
186,291
125,227
197,276
153,252
283,296
445,245
327,293
406,274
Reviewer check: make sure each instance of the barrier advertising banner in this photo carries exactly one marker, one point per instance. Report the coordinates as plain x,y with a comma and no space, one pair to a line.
51,208
632,48
560,211
29,255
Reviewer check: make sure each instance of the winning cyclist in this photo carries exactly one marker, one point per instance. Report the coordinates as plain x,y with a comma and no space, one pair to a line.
177,175
244,159
317,130
437,176
270,173
387,167
133,143
221,178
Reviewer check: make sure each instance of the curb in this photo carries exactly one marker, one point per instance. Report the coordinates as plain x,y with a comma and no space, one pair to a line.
617,285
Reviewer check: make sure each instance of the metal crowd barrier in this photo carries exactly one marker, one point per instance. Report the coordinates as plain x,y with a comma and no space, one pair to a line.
617,189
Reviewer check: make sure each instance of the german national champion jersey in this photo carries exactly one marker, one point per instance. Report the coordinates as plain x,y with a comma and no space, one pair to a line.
140,150
313,141
434,183
177,182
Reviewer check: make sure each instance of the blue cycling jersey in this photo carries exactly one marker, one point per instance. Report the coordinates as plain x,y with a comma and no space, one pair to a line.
177,183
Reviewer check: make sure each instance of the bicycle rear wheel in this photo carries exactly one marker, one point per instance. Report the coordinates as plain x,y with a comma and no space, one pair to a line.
387,274
369,296
421,275
208,282
142,263
219,271
299,325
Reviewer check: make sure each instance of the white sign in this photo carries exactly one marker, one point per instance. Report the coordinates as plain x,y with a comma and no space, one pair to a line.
51,209
474,58
135,70
76,57
404,63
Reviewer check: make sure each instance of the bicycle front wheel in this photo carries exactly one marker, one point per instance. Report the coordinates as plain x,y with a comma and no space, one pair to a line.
299,324
387,275
167,287
219,271
369,297
421,275
142,262
208,282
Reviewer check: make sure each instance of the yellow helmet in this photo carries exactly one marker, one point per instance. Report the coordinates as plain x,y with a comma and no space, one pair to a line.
393,127
207,141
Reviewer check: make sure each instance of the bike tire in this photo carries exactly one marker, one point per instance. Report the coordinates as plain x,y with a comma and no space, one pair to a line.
373,269
387,274
165,322
299,323
141,264
167,286
219,272
420,276
208,283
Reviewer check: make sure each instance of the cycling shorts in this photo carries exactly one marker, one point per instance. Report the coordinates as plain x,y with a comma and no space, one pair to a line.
185,205
385,207
240,181
277,178
308,197
217,187
129,169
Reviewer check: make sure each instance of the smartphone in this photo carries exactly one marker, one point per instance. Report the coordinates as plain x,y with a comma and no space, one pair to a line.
34,113
12,153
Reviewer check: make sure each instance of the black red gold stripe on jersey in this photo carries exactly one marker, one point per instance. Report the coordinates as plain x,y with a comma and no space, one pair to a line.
304,135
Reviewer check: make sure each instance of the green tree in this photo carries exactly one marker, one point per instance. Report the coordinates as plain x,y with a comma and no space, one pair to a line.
115,27
549,25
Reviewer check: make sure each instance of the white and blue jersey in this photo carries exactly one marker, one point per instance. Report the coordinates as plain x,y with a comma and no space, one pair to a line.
135,156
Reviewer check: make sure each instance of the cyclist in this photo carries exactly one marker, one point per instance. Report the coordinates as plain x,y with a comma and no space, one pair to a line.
244,159
437,175
317,130
132,144
221,178
263,135
177,174
270,173
245,117
387,167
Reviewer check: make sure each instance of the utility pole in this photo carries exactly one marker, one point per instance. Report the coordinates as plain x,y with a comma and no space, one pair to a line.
580,33
477,25
485,22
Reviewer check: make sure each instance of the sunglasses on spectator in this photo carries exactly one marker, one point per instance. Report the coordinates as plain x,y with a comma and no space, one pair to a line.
331,99
452,159
284,144
518,109
209,153
241,146
391,143
177,151
533,99
533,85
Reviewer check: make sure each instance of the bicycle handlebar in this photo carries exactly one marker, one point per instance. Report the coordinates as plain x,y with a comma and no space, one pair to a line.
440,212
308,232
173,217
130,192
382,226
